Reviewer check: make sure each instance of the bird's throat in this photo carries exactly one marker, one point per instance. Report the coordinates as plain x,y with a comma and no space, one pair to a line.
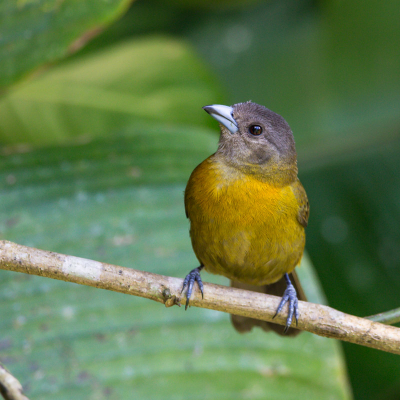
277,173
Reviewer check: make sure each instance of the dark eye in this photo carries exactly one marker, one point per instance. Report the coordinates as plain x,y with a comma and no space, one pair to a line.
255,130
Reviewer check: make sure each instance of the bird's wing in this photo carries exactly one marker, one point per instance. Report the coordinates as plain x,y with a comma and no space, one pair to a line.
186,198
302,201
186,212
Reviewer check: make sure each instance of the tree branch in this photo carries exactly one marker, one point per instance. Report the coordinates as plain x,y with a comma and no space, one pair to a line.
387,317
10,388
315,318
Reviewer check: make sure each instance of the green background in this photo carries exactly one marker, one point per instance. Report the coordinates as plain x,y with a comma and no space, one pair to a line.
97,143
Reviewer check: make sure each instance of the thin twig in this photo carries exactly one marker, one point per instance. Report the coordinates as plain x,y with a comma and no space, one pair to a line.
10,388
388,317
315,318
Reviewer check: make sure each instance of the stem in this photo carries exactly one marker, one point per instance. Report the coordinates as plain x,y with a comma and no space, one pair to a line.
10,388
389,317
315,318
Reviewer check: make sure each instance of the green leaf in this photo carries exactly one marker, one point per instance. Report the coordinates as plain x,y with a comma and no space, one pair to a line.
120,200
139,83
36,32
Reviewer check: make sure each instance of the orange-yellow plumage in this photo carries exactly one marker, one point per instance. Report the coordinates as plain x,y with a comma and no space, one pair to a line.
241,227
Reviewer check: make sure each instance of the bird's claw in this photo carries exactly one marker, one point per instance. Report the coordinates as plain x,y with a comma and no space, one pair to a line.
191,277
290,296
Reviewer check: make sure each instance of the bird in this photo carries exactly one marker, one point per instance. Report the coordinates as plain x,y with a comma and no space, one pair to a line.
248,210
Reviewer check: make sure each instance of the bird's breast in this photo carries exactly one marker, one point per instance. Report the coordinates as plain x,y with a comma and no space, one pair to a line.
241,227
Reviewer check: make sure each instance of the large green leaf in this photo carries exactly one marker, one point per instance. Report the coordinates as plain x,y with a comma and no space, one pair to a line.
42,31
120,200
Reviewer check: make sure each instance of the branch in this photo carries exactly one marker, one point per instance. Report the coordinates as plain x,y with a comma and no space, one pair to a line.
388,317
315,318
10,388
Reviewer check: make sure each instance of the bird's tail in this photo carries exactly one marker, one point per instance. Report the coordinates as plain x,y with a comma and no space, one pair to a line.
244,324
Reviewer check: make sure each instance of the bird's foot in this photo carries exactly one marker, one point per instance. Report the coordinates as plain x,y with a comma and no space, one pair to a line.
191,277
290,296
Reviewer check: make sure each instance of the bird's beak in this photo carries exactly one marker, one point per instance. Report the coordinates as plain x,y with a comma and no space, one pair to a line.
223,114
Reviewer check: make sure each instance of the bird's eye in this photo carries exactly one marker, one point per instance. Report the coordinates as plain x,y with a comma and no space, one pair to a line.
255,130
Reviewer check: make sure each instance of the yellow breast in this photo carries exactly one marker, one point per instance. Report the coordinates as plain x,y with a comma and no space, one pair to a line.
241,227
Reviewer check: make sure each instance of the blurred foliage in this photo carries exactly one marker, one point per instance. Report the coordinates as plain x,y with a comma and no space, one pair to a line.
34,32
143,82
331,68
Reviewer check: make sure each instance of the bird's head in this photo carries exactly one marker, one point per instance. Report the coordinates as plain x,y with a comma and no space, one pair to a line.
256,139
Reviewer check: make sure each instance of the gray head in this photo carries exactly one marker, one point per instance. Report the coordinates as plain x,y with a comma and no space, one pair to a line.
255,138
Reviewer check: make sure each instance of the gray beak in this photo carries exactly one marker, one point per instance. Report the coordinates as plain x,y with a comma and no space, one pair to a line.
223,114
